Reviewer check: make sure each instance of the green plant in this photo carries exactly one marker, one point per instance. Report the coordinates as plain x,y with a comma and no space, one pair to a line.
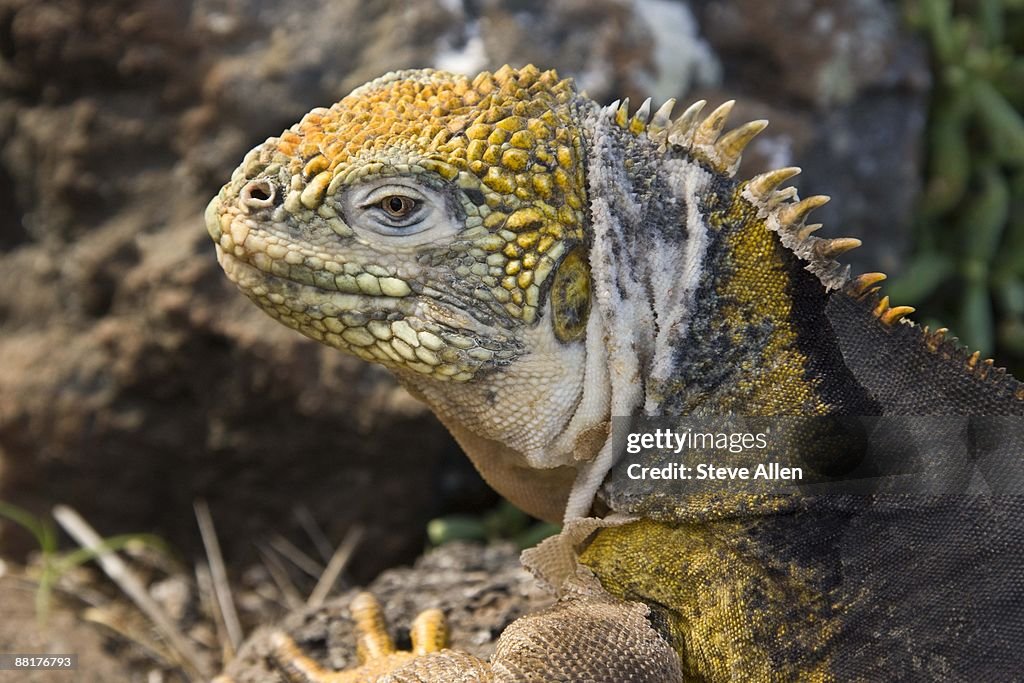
505,521
54,564
969,264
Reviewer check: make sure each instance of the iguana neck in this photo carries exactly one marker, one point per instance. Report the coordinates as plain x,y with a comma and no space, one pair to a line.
760,342
721,317
526,425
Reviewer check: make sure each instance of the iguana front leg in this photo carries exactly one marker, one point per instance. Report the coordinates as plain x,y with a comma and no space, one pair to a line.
581,638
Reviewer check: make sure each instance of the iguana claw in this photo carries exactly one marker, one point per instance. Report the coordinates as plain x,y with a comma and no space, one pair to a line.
375,648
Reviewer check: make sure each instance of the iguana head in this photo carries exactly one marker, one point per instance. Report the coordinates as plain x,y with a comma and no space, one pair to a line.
524,260
417,223
435,224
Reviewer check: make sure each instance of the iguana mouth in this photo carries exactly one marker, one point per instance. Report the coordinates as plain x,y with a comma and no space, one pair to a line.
298,295
413,332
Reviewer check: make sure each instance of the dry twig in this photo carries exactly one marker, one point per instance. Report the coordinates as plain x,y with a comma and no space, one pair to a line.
115,568
339,560
221,586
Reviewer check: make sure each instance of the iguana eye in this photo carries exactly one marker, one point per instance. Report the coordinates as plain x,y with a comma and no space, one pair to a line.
398,207
395,209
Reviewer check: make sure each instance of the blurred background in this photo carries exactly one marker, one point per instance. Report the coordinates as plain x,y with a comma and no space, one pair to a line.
135,380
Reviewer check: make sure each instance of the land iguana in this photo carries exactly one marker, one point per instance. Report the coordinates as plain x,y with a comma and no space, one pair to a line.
535,266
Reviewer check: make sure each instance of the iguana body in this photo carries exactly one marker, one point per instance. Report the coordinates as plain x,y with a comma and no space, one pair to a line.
532,265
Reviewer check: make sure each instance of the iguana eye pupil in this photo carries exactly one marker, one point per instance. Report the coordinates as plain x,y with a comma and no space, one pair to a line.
396,206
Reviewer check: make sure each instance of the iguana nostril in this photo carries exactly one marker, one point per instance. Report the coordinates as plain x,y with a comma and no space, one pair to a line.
257,194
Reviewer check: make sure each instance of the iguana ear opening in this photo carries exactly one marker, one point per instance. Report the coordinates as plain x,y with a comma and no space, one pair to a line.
570,296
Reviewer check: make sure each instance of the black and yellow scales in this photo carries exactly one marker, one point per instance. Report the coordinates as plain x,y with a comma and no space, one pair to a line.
533,265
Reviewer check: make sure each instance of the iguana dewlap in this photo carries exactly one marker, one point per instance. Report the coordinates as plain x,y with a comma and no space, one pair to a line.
531,265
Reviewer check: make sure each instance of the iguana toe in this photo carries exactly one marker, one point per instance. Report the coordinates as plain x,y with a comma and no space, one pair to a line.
378,656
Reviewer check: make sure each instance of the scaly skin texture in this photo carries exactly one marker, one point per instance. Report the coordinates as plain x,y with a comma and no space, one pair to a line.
532,265
501,149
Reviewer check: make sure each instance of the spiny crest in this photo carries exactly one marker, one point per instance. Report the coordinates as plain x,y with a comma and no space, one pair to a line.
786,214
889,314
866,288
702,138
782,210
939,342
865,284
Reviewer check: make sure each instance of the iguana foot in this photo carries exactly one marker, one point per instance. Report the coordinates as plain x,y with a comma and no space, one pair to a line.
595,638
380,661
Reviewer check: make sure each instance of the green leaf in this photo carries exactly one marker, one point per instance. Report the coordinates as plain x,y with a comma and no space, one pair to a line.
976,315
1011,261
1004,125
983,223
456,528
990,16
41,529
938,17
921,278
1011,296
949,163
